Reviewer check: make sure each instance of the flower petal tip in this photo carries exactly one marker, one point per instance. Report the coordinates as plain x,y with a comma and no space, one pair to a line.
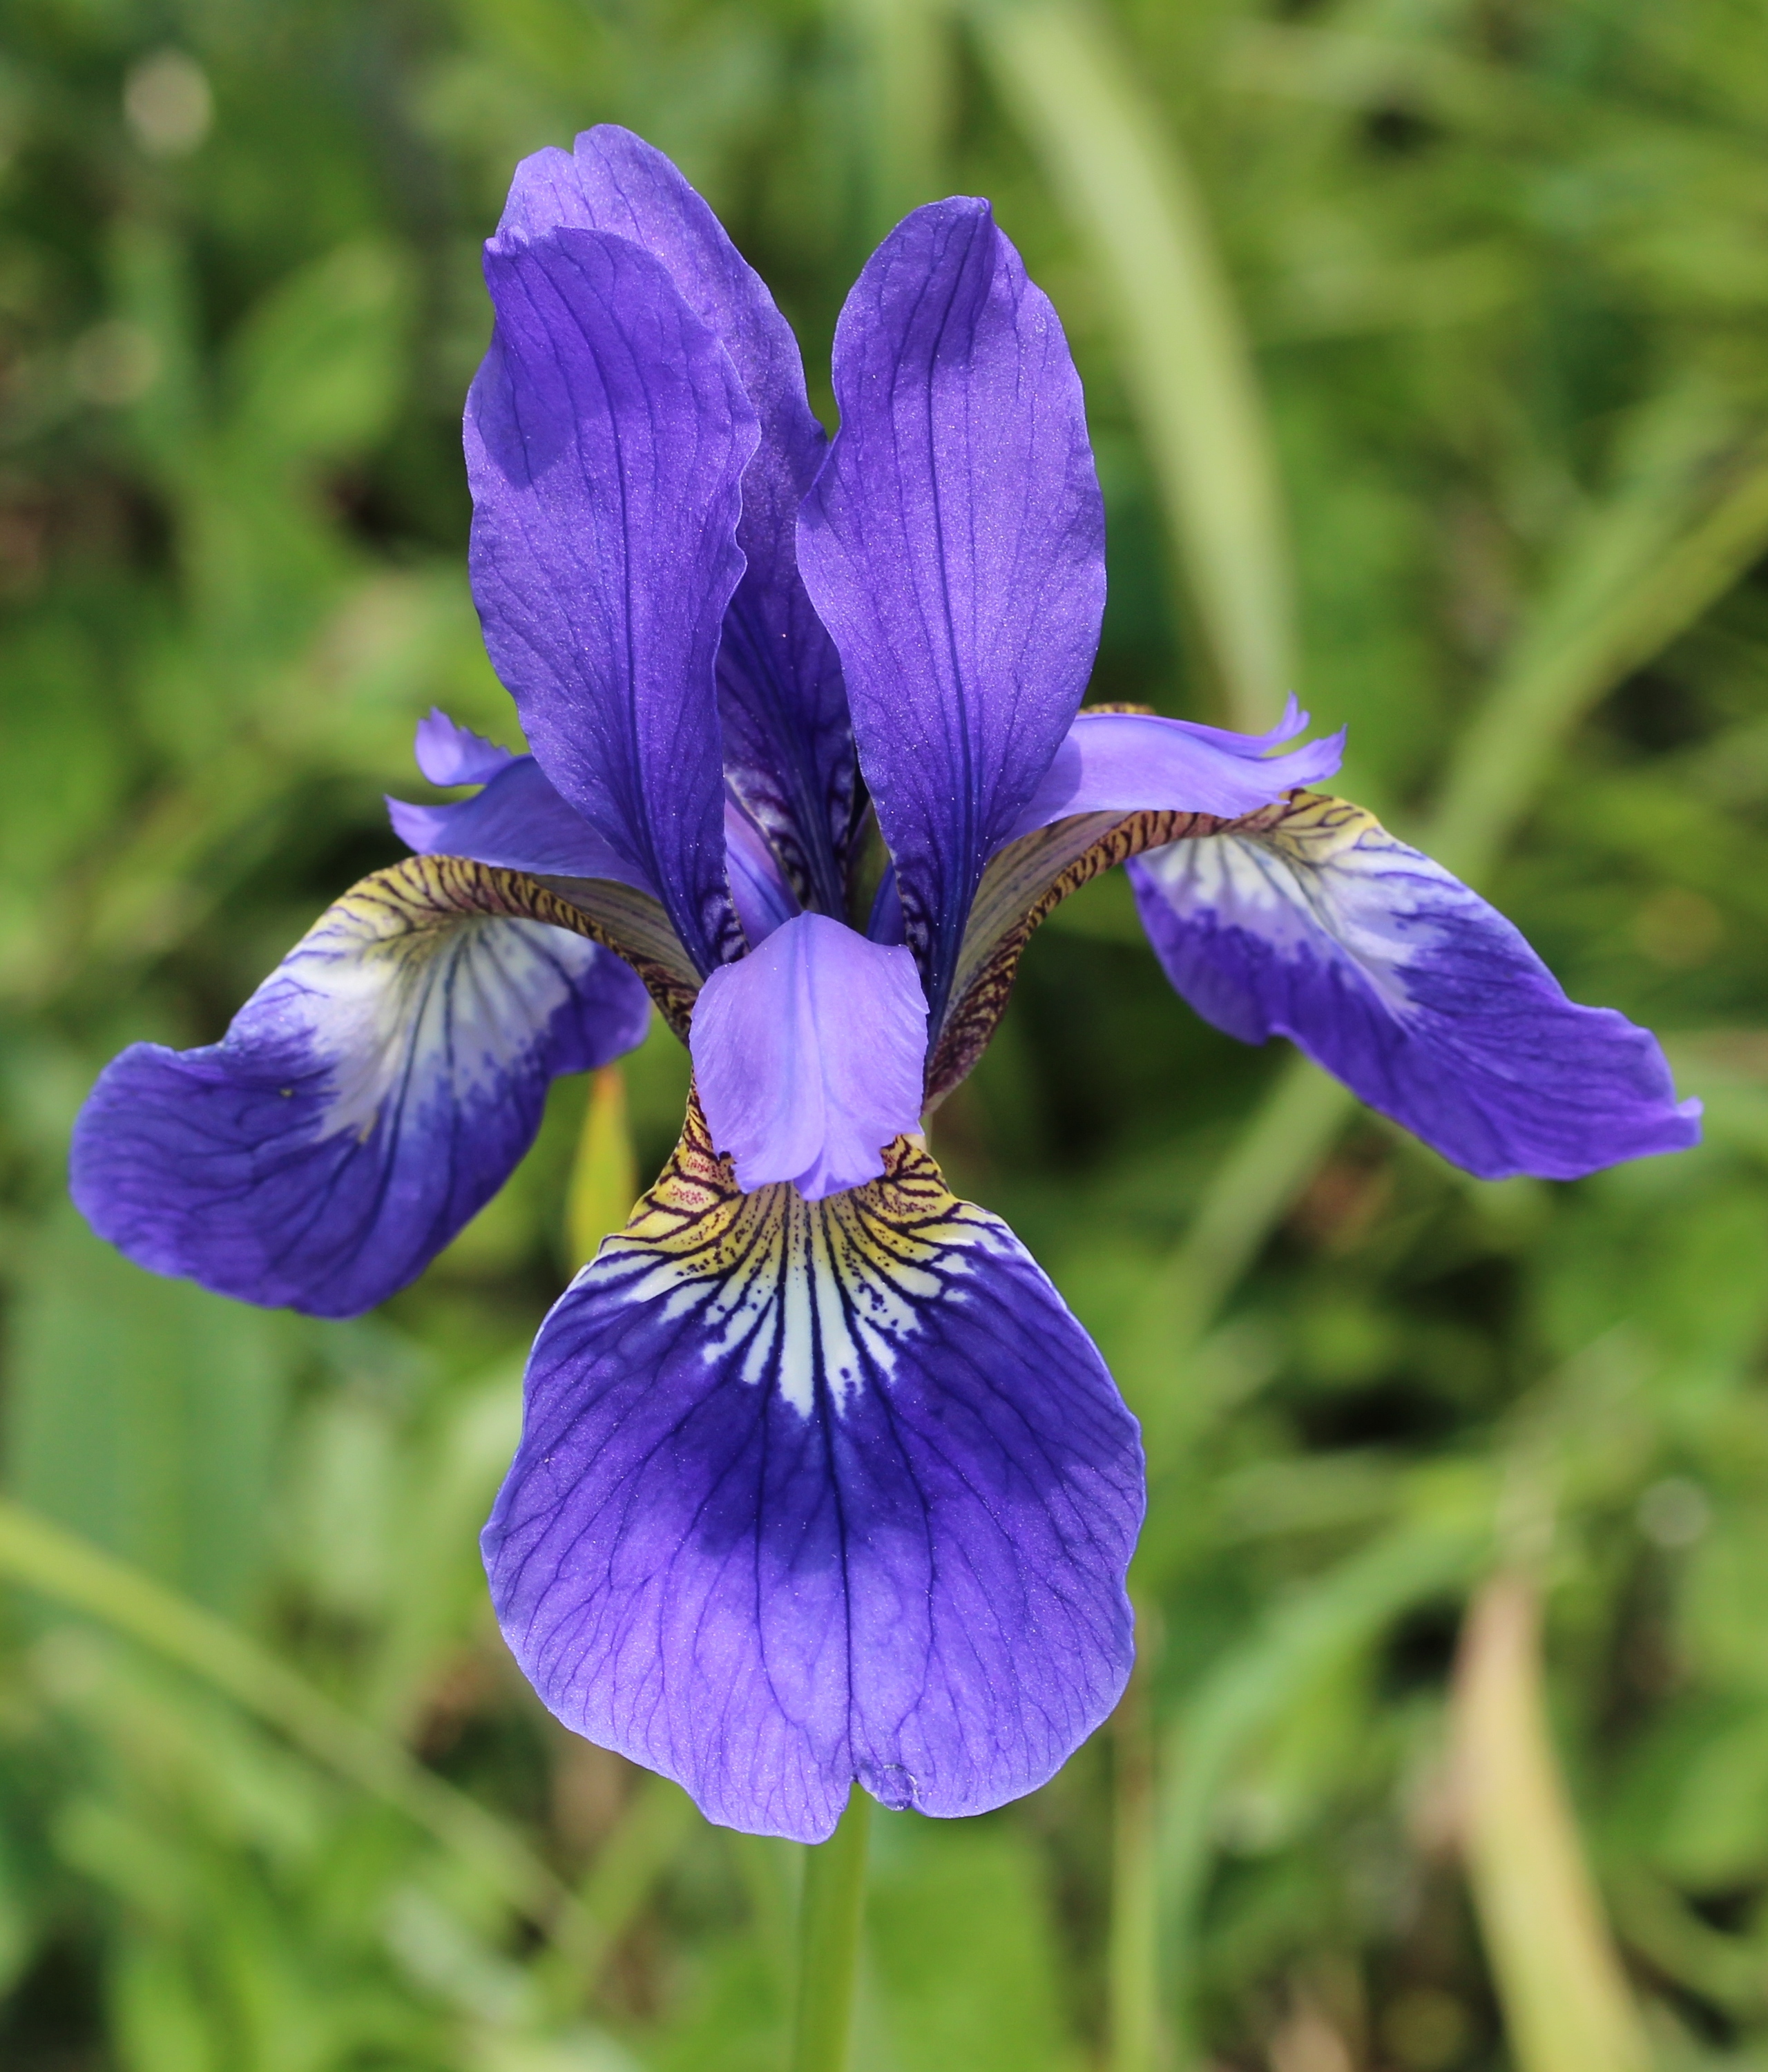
447,753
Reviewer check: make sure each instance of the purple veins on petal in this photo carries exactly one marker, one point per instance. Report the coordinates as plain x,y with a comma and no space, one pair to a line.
814,1491
368,1099
787,738
1129,762
808,1055
606,435
1312,921
954,545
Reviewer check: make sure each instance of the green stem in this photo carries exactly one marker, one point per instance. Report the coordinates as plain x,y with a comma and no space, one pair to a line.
828,1935
1132,1959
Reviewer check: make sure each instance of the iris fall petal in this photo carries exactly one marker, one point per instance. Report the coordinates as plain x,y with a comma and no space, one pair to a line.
809,1492
369,1098
1312,921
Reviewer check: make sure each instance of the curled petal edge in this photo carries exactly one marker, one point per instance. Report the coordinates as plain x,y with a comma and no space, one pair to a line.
1124,760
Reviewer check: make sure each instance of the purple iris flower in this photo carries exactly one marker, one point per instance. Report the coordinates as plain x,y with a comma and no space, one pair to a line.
819,1479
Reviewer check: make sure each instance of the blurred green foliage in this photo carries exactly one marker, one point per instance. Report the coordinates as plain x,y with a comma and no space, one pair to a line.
1442,319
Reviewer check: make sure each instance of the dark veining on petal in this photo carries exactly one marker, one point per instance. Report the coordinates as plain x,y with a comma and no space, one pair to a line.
634,926
631,924
872,1255
1029,878
814,1490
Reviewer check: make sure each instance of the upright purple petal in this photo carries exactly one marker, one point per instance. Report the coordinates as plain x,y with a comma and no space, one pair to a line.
788,744
808,1054
1129,762
814,1491
369,1098
606,437
1312,921
954,545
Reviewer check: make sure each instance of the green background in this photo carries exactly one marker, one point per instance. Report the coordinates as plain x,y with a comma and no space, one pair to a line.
1424,347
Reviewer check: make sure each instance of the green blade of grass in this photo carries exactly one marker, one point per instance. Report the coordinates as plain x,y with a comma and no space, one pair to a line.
1635,583
604,1183
1644,572
907,102
43,1557
1123,182
1567,2007
1345,1610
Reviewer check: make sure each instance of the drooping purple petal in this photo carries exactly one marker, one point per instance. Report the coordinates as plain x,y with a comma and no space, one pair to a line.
954,545
788,742
449,754
606,437
371,1096
814,1491
1319,925
1129,762
808,1055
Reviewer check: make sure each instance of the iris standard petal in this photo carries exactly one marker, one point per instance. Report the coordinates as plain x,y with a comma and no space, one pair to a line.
787,741
373,1094
954,545
814,1491
1128,763
808,1054
449,754
606,437
517,822
1311,921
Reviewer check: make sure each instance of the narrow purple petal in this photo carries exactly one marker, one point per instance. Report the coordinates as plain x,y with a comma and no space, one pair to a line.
813,1492
449,754
787,741
518,822
371,1096
1424,999
884,924
606,437
808,1054
954,545
1130,763
763,900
